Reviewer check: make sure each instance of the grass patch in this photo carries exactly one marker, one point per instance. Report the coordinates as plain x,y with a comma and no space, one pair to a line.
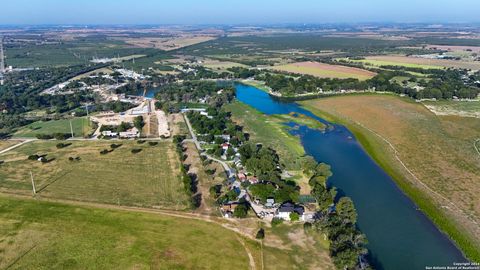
44,235
146,178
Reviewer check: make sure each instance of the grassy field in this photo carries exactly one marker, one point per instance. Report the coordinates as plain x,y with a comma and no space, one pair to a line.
325,70
81,127
416,62
438,150
46,235
149,178
6,144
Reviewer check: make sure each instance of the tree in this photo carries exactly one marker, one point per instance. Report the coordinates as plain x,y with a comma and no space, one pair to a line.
309,164
294,216
260,234
346,210
241,211
138,122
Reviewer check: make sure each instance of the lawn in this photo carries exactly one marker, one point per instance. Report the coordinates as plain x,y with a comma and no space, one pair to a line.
149,178
47,235
81,127
322,70
437,149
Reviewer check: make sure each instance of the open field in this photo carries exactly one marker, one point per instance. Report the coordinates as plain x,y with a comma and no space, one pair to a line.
439,151
149,178
325,70
5,144
417,62
448,107
455,48
81,127
47,235
217,65
167,43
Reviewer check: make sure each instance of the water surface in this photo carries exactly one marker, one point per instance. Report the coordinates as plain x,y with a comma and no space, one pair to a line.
400,236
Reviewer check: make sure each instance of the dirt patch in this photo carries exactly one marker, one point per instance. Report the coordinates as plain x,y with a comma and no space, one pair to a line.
325,70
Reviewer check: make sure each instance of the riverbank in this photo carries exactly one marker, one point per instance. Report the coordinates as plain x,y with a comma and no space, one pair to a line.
441,213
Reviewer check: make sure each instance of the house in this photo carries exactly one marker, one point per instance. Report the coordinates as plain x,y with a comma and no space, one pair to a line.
286,209
252,180
228,209
132,133
225,146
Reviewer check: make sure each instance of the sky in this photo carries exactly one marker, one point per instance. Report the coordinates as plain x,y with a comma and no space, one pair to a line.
236,11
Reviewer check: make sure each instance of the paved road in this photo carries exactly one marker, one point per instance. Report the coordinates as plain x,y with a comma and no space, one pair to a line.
194,139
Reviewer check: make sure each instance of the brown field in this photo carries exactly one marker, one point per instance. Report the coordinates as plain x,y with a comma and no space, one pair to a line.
322,70
386,60
6,144
150,178
438,150
170,43
454,48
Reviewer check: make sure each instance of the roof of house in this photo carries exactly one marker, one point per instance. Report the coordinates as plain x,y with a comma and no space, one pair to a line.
290,207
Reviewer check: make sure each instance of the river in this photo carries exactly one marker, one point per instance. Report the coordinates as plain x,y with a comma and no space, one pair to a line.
400,236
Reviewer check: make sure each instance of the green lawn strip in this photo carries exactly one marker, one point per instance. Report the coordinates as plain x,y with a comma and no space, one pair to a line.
376,148
47,235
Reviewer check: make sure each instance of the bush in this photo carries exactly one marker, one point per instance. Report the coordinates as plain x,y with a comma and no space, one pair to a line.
260,234
294,216
152,143
44,136
276,221
136,150
307,226
62,136
62,145
115,146
1,162
104,152
141,141
33,157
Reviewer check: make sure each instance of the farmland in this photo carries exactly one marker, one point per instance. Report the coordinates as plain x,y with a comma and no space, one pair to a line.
437,150
81,127
417,62
322,70
47,235
168,43
148,178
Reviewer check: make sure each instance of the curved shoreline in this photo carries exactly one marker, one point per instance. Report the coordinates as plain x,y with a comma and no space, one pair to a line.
441,220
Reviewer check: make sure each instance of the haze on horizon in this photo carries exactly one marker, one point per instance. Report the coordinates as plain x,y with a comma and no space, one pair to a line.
27,12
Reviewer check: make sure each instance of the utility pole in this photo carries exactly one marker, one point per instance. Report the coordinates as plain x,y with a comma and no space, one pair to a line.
2,62
71,128
33,184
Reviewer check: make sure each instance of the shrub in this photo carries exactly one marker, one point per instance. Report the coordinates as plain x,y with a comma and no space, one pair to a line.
294,216
276,221
136,150
62,145
152,143
115,146
33,157
141,141
104,152
260,234
241,211
44,136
